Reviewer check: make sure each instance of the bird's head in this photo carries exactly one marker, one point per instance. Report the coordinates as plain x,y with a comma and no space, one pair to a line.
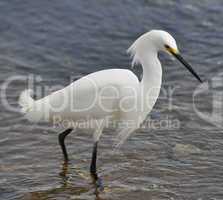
155,41
162,41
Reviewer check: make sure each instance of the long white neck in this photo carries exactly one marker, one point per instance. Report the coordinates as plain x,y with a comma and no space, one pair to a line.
152,70
152,78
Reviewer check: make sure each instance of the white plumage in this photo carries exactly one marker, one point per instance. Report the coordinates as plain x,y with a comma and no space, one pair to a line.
115,92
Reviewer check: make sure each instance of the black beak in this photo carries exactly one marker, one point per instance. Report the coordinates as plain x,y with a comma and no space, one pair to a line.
187,65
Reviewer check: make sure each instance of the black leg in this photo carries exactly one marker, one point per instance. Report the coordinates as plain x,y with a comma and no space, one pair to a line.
61,139
93,168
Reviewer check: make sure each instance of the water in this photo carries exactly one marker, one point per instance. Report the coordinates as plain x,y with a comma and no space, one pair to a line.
61,39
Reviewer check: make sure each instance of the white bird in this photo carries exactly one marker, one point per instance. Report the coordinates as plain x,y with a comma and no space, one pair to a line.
113,94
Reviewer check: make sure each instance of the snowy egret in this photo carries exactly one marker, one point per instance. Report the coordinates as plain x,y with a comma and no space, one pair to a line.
116,93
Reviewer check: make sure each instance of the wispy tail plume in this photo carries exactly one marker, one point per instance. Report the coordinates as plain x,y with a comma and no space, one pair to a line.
26,101
29,108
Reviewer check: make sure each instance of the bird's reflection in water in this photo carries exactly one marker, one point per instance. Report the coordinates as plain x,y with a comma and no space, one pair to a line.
96,180
67,188
97,183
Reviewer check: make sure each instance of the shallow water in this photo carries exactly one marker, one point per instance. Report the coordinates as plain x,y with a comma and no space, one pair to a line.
61,39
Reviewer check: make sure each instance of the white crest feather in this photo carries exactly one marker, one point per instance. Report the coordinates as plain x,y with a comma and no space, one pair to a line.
132,50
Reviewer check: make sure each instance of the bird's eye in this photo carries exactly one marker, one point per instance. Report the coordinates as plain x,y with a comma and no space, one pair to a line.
167,46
